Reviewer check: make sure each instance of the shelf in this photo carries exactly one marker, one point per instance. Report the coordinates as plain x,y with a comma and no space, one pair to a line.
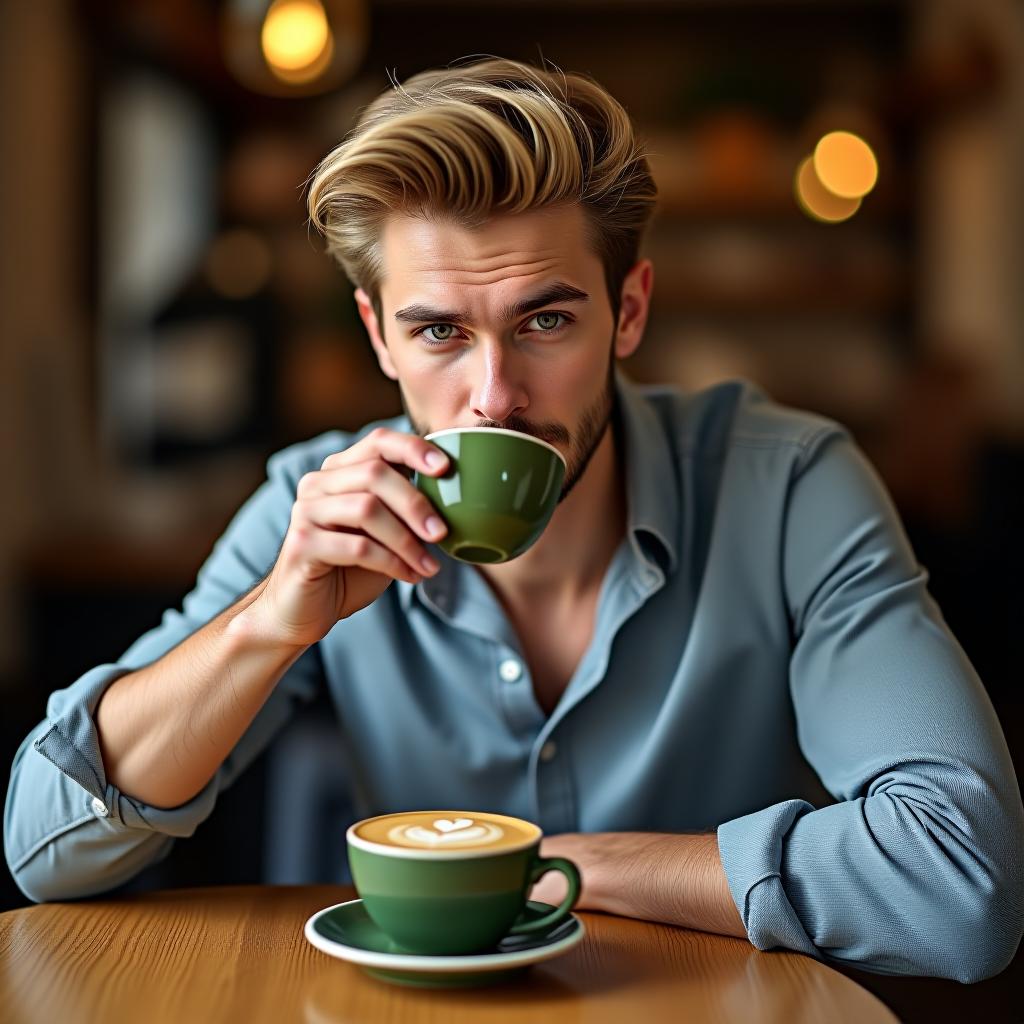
799,297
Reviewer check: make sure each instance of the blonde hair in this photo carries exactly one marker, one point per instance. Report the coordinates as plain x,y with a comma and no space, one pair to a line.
468,142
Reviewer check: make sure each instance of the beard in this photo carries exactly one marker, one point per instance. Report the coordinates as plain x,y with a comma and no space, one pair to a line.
582,443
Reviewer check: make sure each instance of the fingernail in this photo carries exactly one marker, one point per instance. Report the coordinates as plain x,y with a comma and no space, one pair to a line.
435,460
434,526
429,564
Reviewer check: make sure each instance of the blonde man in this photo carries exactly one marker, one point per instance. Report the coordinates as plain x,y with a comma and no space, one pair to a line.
717,680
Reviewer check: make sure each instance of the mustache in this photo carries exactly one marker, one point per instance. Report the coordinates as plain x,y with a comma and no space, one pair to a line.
553,433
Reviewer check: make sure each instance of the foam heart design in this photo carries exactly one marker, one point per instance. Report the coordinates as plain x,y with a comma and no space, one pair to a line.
446,825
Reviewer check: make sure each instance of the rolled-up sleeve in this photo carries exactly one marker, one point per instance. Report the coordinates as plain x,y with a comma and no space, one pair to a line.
917,869
68,831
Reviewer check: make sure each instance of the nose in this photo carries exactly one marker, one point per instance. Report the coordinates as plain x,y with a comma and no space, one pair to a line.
497,389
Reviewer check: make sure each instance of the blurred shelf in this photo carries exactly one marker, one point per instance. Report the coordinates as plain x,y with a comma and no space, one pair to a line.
797,297
770,206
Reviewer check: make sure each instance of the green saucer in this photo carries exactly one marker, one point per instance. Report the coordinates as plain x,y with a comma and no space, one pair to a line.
346,931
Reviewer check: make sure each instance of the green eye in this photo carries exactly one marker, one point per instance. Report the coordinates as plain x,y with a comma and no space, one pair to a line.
547,321
441,332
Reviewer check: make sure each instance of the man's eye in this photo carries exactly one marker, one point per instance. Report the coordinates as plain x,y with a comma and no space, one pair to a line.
547,322
438,332
541,323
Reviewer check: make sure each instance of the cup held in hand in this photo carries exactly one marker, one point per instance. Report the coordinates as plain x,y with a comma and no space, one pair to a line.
499,492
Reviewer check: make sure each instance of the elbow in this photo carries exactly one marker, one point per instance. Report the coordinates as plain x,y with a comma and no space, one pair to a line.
983,952
38,887
990,913
982,932
41,880
62,871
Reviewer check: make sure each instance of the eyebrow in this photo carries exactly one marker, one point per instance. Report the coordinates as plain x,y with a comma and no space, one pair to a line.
559,291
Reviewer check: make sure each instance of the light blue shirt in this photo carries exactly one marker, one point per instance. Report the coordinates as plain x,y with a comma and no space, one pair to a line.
766,663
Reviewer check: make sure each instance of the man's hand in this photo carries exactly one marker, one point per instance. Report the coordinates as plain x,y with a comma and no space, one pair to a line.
654,876
357,523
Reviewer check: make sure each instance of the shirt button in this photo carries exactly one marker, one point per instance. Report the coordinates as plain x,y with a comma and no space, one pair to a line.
99,808
548,751
510,670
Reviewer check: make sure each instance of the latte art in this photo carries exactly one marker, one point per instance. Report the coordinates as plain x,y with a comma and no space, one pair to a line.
445,832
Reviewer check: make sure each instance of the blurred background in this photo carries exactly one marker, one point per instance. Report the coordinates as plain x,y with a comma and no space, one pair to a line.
840,220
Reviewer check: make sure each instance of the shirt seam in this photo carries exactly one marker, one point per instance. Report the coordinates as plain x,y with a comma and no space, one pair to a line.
48,838
691,448
753,885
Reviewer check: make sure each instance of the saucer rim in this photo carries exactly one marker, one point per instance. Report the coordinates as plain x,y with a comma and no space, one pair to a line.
422,962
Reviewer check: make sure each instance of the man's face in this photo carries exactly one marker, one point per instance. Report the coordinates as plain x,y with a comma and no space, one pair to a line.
507,325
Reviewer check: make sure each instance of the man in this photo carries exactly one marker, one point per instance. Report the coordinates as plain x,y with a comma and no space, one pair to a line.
717,680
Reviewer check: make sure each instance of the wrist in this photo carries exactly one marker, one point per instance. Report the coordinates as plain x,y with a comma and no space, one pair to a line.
250,629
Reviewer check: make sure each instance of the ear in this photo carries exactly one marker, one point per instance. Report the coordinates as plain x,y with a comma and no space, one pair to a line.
369,318
634,304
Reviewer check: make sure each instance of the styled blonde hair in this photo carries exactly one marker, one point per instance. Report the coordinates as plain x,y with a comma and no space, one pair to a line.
475,140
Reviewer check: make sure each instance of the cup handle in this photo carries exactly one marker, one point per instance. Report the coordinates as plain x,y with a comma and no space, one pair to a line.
541,866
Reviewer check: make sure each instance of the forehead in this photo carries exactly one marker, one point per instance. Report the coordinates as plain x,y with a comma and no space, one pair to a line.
429,258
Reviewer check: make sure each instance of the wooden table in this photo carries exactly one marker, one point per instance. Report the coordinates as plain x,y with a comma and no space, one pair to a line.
238,954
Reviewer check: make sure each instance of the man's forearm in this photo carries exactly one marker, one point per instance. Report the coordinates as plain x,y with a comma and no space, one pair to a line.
166,728
655,876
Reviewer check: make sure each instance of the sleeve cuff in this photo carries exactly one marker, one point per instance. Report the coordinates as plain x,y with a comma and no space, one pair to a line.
750,849
71,743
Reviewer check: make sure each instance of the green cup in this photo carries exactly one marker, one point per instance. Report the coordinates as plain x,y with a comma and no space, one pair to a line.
498,494
459,893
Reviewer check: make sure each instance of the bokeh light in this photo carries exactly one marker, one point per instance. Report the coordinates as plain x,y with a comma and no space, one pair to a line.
296,39
845,164
817,201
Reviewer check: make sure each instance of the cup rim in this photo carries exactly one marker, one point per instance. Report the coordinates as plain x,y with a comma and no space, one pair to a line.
497,430
413,853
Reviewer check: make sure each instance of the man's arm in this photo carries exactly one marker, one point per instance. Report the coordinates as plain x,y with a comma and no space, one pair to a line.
165,729
69,828
918,868
654,876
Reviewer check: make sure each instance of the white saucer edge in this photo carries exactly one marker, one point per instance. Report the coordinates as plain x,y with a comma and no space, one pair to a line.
435,964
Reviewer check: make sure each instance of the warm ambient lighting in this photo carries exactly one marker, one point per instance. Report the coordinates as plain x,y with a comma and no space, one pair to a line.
296,39
295,48
845,165
816,200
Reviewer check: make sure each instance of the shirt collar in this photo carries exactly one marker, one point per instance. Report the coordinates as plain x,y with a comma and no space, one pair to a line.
652,491
652,476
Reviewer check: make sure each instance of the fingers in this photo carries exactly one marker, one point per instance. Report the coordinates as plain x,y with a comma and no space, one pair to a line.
328,547
392,446
367,512
385,482
362,491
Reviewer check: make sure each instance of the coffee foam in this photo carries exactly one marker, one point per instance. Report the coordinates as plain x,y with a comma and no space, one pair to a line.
440,831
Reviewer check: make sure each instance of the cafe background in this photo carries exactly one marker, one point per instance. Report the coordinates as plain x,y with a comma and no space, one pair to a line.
169,320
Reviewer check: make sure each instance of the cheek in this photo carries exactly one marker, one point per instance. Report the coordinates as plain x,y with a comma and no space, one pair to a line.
432,392
582,372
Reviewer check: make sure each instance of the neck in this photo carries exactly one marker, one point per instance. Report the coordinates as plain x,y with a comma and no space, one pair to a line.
571,556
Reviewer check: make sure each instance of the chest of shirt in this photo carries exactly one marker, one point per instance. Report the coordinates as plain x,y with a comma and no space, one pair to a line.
442,710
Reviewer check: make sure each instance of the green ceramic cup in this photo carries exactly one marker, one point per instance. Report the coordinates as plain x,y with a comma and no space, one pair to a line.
498,494
458,899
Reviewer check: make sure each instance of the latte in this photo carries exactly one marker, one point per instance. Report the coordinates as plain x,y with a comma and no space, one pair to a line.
443,831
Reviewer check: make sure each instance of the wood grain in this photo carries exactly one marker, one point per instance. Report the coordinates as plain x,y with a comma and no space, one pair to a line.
238,954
